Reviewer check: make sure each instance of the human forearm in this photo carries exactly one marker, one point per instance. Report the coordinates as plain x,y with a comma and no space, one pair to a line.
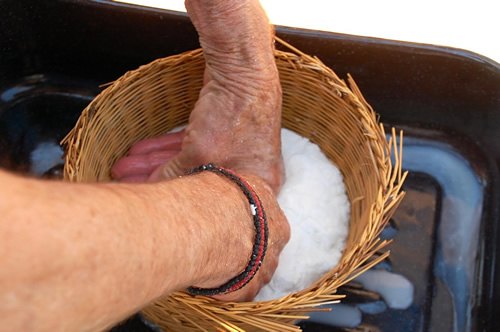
236,121
231,25
236,37
93,254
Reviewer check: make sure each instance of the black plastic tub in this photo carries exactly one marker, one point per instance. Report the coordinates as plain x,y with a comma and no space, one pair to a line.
55,54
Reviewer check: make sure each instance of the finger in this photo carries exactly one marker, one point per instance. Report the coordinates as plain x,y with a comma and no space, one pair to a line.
135,178
245,294
140,164
171,141
169,170
249,291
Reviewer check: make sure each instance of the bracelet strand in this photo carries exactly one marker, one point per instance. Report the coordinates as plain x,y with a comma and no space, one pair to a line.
261,234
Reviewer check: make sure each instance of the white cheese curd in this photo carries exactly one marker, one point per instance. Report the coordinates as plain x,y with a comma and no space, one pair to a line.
315,202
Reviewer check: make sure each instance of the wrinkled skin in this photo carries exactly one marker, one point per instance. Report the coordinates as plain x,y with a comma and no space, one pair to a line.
236,121
240,132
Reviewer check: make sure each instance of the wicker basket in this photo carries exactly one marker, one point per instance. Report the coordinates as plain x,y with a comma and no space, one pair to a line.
316,104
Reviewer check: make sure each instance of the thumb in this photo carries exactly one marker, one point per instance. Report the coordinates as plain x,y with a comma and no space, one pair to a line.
169,170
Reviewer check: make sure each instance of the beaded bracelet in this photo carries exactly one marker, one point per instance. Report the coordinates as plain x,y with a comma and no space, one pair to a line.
261,234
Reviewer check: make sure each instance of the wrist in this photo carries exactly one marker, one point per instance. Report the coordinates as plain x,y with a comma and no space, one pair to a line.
260,238
231,224
216,230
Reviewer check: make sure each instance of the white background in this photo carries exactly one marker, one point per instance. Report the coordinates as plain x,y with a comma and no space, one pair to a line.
473,24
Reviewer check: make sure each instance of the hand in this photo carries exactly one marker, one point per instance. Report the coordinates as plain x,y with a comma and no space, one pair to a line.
279,234
236,122
239,131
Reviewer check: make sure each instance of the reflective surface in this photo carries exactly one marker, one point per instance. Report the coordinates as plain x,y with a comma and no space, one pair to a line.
35,114
437,247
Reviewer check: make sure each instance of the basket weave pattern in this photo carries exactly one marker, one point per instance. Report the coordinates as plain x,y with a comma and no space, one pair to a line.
159,96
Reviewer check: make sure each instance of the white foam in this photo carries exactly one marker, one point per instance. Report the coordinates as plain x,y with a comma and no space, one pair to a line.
342,315
396,290
45,156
